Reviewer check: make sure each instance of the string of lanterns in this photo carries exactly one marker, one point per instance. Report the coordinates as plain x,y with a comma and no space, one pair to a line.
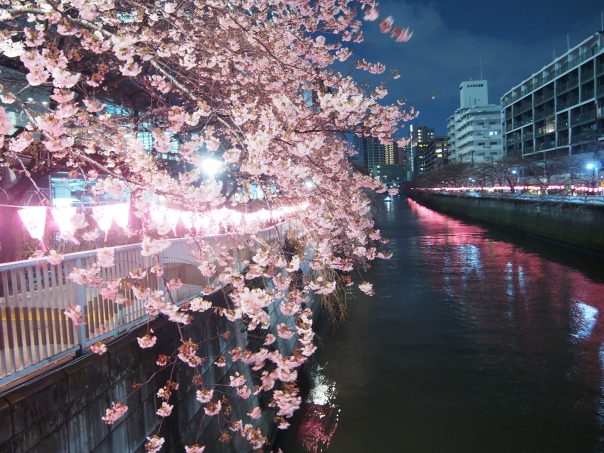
213,221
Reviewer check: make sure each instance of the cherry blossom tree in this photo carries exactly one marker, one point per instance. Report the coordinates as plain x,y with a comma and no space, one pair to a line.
249,82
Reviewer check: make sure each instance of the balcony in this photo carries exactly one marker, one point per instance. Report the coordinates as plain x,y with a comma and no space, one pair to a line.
546,145
545,131
565,103
540,99
587,94
586,136
583,117
543,114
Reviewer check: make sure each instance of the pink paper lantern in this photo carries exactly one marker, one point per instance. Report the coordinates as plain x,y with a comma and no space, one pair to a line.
34,219
121,214
103,216
157,213
63,217
171,218
186,217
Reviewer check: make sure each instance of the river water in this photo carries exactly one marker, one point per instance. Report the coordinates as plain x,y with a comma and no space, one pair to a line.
476,341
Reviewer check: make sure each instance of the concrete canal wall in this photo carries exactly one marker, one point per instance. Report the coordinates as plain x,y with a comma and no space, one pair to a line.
577,224
61,411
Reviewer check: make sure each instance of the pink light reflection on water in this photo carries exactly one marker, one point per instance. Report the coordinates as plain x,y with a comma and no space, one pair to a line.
506,293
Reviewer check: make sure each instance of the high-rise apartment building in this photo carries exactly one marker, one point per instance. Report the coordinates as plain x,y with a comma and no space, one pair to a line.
436,154
559,110
474,129
420,137
382,161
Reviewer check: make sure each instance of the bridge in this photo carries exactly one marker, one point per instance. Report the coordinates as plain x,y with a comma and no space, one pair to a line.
35,334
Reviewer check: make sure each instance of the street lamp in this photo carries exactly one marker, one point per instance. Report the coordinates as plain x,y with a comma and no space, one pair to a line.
309,184
211,166
593,167
517,174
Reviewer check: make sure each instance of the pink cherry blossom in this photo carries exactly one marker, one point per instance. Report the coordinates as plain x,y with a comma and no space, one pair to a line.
147,341
284,331
74,312
114,413
213,408
199,304
105,257
372,13
154,444
93,106
237,380
194,449
98,348
367,288
165,409
255,413
204,395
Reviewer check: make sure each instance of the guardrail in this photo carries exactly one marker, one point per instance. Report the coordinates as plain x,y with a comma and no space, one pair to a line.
34,331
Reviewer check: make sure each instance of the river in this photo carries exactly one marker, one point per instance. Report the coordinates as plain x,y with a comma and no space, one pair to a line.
477,340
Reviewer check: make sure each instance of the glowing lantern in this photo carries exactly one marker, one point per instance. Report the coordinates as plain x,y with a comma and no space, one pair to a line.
121,214
158,213
63,217
186,217
197,221
34,219
103,216
171,218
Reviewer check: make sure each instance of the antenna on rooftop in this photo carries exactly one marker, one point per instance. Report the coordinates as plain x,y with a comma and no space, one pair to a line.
567,42
602,19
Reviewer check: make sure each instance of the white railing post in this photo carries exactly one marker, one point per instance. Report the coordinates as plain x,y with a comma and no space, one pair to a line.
81,302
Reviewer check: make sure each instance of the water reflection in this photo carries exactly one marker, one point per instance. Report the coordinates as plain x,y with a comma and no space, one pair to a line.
474,342
540,317
319,419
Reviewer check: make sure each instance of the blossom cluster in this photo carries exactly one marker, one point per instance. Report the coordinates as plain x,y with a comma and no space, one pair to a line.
250,84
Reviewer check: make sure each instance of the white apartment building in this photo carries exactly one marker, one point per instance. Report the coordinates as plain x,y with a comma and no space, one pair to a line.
474,129
559,110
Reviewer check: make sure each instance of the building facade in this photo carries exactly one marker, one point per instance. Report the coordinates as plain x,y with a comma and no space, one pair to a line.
385,162
474,130
420,137
559,110
436,154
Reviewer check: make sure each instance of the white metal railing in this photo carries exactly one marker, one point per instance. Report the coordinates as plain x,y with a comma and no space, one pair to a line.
35,332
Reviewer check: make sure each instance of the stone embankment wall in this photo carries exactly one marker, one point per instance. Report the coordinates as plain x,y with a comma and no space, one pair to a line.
61,411
580,225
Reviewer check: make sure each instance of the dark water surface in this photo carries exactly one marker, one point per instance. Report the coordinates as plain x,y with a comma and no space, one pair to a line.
476,341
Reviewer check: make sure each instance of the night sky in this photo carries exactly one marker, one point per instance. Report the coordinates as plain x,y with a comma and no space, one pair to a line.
515,37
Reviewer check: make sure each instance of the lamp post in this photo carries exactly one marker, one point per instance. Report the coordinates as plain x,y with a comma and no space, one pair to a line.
593,167
211,166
